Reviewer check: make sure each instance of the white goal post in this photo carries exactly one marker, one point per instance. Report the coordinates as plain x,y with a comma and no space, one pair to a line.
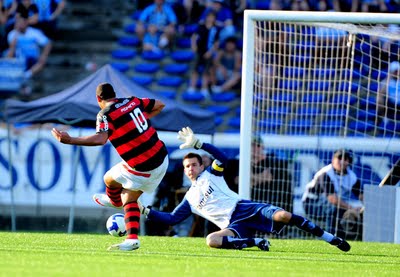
312,83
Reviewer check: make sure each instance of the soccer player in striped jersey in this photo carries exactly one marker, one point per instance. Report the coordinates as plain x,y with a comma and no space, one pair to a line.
210,198
125,122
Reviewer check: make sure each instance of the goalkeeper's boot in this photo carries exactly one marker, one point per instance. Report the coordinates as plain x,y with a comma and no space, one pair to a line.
262,244
127,245
104,200
341,244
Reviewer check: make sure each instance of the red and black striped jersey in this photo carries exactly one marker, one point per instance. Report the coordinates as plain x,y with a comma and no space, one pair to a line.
130,132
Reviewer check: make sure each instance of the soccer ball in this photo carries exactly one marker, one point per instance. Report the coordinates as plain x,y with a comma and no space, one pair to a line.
116,225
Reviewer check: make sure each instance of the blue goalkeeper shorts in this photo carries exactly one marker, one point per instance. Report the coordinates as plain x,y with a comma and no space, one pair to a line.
250,217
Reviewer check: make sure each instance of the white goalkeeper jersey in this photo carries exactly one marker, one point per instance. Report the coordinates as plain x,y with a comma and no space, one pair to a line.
210,197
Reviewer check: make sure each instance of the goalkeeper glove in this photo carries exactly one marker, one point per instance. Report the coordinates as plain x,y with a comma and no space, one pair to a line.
143,210
189,140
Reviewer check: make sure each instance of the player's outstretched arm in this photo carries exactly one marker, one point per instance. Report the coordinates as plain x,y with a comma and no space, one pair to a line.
92,140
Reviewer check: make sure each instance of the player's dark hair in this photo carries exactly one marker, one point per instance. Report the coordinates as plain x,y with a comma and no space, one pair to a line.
193,155
348,154
105,91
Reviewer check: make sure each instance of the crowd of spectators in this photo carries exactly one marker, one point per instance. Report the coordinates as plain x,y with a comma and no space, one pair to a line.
218,32
28,28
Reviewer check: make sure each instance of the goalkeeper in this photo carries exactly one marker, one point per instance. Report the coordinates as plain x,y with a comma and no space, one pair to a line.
210,198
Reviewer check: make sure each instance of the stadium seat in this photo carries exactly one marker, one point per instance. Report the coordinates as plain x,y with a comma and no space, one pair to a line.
183,42
373,87
344,87
324,73
347,73
130,28
331,125
146,67
378,75
289,84
262,5
294,72
361,126
368,103
232,131
238,111
218,109
313,98
153,56
122,67
390,128
283,97
234,122
143,80
123,54
176,68
362,47
340,99
336,112
182,56
170,94
129,41
190,29
193,97
278,111
170,81
367,114
218,120
308,112
301,124
268,124
223,97
318,85
135,15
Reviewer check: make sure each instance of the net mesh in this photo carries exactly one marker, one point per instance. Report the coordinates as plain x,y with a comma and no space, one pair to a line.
319,87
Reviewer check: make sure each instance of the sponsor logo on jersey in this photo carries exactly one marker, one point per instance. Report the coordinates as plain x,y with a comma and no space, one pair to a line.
122,104
129,107
206,196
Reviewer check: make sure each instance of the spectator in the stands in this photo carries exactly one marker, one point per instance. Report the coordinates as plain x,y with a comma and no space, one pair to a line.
373,6
227,67
29,44
194,9
49,12
205,43
388,98
346,5
10,7
162,16
151,39
237,7
3,20
224,18
300,5
29,8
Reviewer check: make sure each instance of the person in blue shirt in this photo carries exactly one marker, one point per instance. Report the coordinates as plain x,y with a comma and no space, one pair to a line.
162,16
224,18
210,197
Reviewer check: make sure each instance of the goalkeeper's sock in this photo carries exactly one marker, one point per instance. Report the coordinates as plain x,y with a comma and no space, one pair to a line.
115,196
229,242
132,217
306,225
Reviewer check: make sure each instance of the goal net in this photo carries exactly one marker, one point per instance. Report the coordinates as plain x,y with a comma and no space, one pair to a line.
314,83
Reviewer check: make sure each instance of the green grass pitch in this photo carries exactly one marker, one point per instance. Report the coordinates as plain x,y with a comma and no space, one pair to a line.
50,254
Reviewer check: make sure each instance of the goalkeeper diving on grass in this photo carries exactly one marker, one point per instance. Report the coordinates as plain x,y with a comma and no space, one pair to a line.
210,197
